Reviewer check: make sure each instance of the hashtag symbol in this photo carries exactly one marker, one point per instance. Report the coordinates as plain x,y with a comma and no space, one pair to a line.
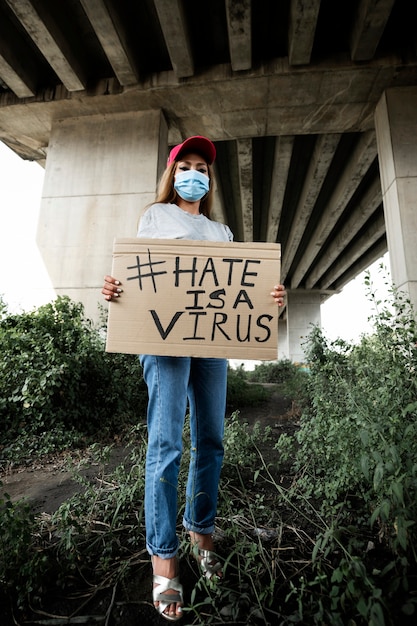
151,273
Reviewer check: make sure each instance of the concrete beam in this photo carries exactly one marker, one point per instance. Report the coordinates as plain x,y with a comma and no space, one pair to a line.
356,252
371,19
245,167
111,34
47,37
320,162
218,212
301,30
16,78
371,200
174,27
230,190
16,74
282,160
365,261
238,15
323,100
360,160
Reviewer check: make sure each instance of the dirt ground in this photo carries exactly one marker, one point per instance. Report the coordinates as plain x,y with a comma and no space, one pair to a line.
45,485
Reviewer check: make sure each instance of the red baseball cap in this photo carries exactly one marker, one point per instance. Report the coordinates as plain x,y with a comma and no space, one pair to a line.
199,144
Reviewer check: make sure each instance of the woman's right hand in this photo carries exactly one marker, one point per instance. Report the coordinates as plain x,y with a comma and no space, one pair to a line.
111,288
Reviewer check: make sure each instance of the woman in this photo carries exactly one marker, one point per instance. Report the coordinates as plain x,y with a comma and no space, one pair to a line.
182,211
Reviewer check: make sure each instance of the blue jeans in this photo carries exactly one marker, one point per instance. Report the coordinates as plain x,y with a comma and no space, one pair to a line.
171,381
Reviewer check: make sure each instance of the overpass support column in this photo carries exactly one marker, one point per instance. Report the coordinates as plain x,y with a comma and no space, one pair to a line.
283,348
303,311
396,131
101,170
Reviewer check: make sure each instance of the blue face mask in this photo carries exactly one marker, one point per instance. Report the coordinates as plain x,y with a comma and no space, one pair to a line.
191,185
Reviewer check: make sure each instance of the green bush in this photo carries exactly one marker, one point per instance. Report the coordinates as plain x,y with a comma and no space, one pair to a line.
22,568
360,435
55,376
240,392
356,461
273,372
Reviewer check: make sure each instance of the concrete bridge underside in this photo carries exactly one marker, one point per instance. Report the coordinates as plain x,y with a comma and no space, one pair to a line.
311,103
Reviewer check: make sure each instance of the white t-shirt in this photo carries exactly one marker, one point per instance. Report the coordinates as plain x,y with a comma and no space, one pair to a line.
168,221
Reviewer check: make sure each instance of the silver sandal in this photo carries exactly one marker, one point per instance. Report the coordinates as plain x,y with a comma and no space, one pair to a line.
165,599
209,564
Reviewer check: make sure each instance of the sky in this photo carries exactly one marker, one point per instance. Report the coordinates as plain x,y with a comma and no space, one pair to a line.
24,281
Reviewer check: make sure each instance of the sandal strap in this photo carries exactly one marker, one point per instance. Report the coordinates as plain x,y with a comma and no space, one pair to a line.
167,583
209,563
164,584
165,599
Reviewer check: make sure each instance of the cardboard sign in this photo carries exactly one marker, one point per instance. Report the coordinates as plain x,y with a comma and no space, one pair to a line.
195,298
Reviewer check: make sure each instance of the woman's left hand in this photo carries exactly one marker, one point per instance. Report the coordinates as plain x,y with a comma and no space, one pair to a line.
279,294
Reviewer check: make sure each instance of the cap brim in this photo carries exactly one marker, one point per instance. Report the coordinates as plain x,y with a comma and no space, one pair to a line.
200,145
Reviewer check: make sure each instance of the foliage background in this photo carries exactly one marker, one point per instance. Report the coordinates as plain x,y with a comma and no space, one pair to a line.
58,385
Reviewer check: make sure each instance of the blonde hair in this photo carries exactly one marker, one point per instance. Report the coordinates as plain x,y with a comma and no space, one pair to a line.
167,195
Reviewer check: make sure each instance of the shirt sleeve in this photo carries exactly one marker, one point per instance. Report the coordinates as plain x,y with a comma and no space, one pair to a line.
228,232
146,227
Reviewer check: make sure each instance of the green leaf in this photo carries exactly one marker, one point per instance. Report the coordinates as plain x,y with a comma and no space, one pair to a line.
337,576
377,615
365,466
410,408
362,606
398,492
378,475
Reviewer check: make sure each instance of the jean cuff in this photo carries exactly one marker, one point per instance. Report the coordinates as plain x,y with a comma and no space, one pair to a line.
195,528
163,554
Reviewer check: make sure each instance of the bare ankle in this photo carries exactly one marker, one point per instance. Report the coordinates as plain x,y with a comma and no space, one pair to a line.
165,567
203,542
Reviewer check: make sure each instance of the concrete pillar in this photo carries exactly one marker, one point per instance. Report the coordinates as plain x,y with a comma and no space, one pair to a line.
101,171
303,312
396,131
283,347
